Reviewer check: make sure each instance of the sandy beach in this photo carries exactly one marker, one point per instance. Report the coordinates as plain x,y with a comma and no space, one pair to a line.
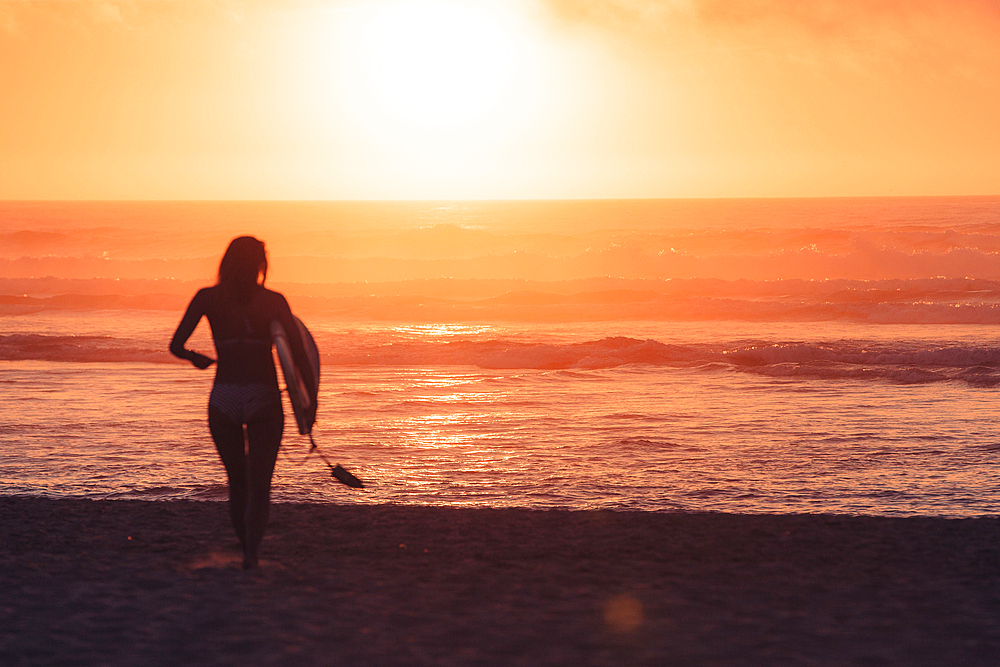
127,582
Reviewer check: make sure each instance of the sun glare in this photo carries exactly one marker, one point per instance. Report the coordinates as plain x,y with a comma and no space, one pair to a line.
432,63
435,63
430,98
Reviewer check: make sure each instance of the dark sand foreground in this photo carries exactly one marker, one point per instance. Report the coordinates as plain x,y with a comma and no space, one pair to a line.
137,583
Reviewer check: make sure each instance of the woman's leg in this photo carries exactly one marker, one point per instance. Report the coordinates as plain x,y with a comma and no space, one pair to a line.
231,444
263,441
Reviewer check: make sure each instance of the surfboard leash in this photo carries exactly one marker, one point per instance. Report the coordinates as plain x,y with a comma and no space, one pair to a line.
339,473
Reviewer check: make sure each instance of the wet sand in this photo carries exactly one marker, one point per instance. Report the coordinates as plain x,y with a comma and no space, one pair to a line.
147,583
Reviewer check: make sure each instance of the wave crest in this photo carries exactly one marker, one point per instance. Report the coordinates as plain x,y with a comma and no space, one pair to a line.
905,363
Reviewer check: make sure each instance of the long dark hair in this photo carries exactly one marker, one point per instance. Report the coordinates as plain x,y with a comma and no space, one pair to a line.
244,261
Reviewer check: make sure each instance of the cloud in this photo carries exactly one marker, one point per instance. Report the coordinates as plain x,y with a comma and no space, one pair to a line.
862,36
616,12
24,17
897,21
18,16
7,22
107,12
818,17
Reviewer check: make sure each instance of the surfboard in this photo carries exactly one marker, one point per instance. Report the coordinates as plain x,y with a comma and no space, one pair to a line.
298,393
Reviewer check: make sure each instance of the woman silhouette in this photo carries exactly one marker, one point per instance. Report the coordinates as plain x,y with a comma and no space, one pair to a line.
245,394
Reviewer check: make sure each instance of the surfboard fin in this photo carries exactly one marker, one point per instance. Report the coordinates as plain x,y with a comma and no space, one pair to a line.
345,477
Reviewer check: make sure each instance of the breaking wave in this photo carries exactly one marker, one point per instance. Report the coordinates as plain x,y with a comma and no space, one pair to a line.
85,348
907,363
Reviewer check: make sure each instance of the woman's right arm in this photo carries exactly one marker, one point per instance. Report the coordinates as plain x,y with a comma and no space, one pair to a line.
184,330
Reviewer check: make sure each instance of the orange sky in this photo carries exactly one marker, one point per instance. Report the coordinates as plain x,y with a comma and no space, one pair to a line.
428,99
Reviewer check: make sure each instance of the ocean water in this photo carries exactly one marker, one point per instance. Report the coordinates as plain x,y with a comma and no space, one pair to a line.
813,356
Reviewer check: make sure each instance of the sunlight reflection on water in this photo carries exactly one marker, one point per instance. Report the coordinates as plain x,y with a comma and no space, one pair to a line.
632,437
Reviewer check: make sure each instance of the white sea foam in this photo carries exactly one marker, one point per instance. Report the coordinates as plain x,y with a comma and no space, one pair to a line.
910,361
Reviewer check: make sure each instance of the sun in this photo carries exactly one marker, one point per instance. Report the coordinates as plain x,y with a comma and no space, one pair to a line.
428,98
435,63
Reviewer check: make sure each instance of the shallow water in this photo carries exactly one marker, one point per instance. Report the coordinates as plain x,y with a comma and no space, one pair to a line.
891,435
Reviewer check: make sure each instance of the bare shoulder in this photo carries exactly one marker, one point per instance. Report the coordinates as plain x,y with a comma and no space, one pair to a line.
207,292
271,296
274,301
206,296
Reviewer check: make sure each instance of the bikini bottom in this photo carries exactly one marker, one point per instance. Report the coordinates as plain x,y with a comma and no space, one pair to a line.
241,402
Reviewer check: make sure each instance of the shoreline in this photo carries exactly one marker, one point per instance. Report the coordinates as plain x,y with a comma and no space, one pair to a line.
159,582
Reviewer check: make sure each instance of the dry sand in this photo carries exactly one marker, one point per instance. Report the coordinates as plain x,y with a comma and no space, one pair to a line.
148,583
